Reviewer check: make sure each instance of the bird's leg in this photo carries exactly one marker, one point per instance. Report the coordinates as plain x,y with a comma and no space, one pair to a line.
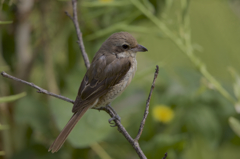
115,117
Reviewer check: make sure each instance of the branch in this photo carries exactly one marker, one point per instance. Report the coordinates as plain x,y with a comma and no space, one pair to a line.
40,90
74,18
147,105
121,129
165,156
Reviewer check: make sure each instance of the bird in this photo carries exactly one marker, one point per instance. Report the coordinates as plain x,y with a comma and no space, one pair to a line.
110,72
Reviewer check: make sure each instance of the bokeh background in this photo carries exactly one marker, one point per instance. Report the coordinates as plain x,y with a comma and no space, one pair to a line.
194,111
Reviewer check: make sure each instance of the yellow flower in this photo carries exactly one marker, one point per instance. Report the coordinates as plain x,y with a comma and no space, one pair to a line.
105,1
163,113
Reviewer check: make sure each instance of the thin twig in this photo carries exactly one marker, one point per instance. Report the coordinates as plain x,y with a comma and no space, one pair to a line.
68,15
147,105
122,130
74,18
40,90
165,156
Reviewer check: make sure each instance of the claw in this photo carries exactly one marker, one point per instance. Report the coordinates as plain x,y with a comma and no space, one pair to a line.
111,123
110,120
116,117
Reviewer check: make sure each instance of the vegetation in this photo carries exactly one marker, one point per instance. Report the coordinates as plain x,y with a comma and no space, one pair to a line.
194,111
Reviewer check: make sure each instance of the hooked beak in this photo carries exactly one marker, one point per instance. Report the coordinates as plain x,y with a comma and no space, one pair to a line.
140,48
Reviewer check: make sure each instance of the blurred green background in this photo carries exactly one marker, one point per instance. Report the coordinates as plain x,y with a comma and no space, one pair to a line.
194,111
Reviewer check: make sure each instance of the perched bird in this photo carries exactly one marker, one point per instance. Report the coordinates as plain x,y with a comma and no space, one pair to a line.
110,72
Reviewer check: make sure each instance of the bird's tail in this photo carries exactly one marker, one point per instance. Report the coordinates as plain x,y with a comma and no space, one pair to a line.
57,144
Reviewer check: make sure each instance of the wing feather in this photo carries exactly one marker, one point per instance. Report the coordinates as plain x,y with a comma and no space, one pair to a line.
104,73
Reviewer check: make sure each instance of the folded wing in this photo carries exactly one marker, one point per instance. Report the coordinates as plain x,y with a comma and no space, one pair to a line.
104,73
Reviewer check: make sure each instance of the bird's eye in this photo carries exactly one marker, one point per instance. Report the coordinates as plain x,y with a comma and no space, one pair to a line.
125,46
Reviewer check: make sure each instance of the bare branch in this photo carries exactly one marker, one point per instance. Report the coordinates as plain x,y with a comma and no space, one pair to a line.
147,105
68,15
165,156
40,90
121,129
74,18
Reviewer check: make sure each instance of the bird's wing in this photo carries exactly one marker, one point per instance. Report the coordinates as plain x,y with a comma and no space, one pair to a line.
104,73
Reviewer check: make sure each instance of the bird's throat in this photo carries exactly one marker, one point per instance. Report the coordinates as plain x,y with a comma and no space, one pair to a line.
126,54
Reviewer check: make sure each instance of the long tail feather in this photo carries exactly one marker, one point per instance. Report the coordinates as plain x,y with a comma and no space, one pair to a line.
57,144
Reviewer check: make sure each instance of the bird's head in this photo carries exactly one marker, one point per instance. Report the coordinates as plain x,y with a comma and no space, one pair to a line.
123,42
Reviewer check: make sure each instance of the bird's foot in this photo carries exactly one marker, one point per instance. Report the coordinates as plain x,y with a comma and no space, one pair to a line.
116,117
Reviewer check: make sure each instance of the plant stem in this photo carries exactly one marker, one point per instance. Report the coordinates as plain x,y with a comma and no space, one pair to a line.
185,45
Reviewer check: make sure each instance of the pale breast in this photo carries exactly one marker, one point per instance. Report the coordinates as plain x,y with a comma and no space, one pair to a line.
120,87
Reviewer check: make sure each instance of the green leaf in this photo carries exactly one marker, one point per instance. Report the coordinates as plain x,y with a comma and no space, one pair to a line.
12,98
235,125
5,22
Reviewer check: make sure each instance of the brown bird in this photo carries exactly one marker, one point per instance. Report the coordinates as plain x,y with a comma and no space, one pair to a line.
111,71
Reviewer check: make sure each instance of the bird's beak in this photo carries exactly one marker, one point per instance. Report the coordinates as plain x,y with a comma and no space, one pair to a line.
140,48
